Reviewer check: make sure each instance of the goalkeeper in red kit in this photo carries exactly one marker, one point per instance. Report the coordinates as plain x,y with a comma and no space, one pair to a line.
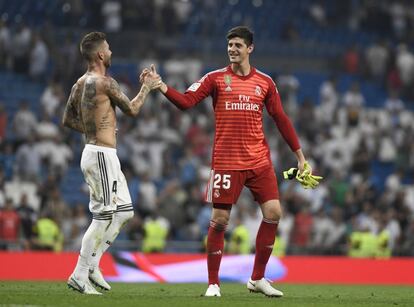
241,156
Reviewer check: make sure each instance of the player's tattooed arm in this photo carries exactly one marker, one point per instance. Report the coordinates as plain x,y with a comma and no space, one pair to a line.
132,107
71,116
118,98
89,102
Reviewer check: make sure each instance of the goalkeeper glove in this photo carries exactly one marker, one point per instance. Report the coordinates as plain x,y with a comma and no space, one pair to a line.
305,178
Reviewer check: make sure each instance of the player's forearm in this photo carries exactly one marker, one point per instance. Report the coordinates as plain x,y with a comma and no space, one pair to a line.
73,124
300,156
287,131
139,100
180,100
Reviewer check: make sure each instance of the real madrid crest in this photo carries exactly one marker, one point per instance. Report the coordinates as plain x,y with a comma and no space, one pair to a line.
227,81
258,90
216,193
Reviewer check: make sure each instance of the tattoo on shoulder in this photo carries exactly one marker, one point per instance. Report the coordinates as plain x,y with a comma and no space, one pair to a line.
90,93
89,104
114,86
71,116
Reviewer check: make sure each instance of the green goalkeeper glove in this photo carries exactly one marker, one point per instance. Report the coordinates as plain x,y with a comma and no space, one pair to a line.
306,179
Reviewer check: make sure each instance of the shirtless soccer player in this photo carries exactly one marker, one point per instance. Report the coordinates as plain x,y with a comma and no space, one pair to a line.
91,110
241,155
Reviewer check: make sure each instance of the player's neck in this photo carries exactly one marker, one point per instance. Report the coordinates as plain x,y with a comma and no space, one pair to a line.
97,68
241,69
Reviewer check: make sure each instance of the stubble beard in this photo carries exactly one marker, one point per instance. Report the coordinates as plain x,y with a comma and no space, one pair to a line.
107,63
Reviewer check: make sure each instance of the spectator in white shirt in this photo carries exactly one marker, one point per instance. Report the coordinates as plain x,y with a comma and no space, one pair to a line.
405,64
5,44
52,98
24,122
329,99
111,11
354,101
28,161
39,59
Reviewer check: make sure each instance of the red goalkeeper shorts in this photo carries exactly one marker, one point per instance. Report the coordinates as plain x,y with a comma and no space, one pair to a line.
224,187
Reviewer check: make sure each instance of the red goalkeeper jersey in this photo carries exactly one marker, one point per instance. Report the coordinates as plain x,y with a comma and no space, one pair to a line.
238,102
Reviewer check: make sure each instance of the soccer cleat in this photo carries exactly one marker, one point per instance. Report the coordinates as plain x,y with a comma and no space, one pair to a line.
213,290
81,286
263,286
95,276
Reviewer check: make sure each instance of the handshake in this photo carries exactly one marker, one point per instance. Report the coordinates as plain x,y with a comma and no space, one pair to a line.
306,179
152,79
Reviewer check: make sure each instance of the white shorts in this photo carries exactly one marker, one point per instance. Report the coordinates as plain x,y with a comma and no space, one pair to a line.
108,188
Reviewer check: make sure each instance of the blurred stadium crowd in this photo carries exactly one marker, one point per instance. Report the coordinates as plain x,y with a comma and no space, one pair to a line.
352,110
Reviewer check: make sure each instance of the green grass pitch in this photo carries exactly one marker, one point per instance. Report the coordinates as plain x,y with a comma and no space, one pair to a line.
123,294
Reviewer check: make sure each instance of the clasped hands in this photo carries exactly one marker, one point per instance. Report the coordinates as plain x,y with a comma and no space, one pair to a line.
151,78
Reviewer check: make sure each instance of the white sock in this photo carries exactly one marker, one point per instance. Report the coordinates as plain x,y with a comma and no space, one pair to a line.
91,241
119,220
81,267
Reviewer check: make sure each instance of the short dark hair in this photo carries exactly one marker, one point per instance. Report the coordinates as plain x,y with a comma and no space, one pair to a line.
90,42
243,32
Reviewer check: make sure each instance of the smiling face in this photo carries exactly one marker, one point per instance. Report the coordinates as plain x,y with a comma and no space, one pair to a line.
238,50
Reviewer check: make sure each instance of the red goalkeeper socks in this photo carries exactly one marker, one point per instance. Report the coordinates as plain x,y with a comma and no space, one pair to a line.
264,247
215,245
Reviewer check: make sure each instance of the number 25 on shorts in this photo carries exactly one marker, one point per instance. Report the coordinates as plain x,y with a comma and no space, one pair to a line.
222,181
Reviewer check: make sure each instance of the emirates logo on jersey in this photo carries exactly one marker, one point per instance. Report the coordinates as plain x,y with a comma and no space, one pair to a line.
241,106
244,104
258,90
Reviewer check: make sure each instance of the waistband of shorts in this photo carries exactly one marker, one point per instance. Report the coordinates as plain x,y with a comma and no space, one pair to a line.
97,148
